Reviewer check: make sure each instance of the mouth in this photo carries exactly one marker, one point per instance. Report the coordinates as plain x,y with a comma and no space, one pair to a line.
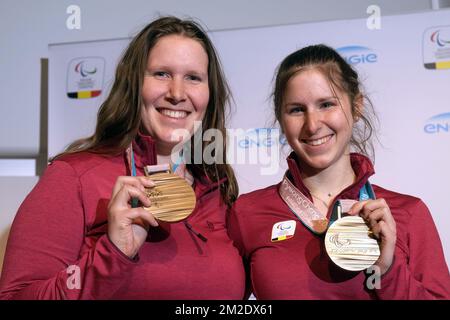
317,142
174,114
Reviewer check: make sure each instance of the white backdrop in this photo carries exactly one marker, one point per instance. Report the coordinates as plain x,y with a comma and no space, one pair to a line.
396,64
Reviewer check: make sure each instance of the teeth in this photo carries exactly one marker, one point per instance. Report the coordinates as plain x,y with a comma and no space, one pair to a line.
318,141
174,114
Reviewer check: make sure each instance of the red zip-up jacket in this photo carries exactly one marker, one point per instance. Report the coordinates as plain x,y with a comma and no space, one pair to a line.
58,247
299,267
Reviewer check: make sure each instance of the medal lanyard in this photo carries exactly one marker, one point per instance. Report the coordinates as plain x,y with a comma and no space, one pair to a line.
344,205
179,161
307,212
134,201
132,164
366,192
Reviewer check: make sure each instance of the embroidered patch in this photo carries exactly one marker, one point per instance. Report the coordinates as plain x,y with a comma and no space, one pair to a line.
283,230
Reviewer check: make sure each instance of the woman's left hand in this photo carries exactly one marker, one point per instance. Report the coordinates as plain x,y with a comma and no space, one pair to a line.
379,218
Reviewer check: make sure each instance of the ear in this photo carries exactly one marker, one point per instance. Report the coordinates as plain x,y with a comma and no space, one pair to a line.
358,107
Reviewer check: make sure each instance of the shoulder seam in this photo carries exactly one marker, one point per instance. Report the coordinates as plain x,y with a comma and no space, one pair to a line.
80,173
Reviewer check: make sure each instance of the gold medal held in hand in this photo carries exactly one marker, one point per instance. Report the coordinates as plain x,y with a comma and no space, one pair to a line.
350,244
173,199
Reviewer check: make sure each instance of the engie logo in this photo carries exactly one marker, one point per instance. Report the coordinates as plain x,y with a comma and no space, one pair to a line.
438,124
85,77
357,54
261,137
436,48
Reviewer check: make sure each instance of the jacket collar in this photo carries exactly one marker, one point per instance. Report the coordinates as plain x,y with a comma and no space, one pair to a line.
362,166
144,149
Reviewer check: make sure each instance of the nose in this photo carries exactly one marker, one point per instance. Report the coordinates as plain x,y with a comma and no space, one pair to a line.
176,91
312,122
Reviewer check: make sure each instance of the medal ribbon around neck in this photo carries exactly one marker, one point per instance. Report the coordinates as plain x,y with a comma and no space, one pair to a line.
305,210
178,167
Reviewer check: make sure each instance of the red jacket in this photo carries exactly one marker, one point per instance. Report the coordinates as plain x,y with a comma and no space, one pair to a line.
299,267
63,223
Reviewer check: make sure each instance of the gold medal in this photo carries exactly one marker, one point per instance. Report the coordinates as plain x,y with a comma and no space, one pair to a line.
350,244
173,199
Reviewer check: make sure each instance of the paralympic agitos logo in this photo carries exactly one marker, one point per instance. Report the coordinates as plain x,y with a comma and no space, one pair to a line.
81,69
85,77
436,48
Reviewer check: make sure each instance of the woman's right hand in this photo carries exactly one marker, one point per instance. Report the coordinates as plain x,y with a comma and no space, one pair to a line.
127,226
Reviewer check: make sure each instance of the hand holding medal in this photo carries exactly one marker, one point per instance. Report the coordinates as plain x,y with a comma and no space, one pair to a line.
377,214
128,225
164,195
349,241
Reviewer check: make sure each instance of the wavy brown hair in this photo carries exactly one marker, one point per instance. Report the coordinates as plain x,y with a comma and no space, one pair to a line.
119,117
340,75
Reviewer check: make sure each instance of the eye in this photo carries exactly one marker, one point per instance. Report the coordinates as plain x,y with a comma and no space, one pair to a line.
294,109
194,78
327,105
159,74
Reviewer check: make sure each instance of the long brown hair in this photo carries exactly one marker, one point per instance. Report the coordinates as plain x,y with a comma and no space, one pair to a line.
342,76
119,117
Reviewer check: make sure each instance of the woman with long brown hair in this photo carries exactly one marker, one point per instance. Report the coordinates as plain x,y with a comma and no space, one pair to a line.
294,235
82,233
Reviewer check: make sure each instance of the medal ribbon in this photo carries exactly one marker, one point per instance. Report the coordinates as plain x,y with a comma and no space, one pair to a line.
178,167
308,213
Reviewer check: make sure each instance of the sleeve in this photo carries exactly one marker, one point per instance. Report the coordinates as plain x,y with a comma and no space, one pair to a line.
234,230
422,273
44,257
235,234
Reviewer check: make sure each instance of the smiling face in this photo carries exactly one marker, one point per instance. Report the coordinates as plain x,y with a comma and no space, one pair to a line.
317,122
175,91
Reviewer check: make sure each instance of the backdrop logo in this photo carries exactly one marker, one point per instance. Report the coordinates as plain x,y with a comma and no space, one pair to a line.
85,77
436,38
438,124
261,138
436,48
81,69
357,54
